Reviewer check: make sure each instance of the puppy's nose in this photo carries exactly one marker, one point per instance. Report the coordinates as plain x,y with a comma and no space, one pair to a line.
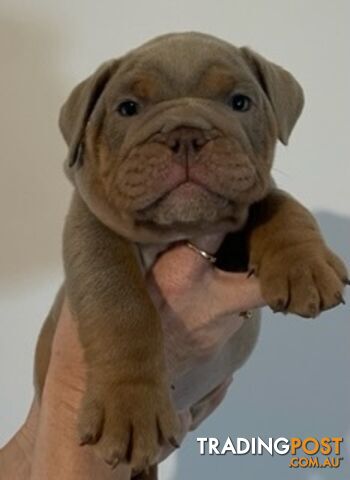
185,140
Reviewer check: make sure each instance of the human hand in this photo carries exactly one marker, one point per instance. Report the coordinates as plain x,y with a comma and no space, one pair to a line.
200,305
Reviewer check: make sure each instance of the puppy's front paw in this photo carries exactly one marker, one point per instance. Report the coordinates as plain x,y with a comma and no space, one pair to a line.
304,279
128,422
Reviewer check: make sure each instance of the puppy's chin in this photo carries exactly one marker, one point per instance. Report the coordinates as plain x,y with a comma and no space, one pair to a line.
192,208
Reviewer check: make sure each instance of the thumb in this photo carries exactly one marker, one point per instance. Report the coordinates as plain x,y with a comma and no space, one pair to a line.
232,292
180,268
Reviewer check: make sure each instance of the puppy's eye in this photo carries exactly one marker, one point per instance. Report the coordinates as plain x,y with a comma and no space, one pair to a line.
128,108
241,103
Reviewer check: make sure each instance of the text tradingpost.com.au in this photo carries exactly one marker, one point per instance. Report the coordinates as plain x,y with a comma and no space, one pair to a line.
308,452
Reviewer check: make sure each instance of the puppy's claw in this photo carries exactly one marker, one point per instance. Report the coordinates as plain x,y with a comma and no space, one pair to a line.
147,469
87,439
115,464
340,298
112,460
280,306
173,442
251,272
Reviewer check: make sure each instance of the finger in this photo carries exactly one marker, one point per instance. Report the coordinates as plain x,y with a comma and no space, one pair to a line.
209,243
232,292
180,267
205,407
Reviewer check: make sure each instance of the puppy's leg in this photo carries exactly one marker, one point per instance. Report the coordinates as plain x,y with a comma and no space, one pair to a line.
297,271
126,410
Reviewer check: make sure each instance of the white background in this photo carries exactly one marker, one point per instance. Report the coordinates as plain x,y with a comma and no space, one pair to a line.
297,381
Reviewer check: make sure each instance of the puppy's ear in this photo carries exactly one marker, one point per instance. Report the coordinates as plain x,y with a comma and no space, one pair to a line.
284,92
76,111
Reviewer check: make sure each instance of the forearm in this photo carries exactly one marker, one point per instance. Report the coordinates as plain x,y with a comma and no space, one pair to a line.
57,452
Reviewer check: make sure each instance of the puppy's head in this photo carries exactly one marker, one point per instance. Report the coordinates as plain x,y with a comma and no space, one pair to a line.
177,138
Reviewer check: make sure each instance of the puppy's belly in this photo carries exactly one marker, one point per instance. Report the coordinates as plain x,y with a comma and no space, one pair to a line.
196,384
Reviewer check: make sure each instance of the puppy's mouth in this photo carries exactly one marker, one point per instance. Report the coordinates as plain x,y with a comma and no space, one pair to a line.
186,191
192,184
188,203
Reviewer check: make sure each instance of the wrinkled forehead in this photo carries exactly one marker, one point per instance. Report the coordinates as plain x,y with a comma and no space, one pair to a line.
182,66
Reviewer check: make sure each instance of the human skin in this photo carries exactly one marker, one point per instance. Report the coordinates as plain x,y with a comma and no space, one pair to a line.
198,298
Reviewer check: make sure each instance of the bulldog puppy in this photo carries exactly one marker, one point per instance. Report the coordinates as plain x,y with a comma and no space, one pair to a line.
174,141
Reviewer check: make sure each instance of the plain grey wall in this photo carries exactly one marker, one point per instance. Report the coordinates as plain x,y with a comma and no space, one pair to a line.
46,47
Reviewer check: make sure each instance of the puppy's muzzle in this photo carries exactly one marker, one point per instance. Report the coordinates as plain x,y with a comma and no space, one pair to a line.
185,141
